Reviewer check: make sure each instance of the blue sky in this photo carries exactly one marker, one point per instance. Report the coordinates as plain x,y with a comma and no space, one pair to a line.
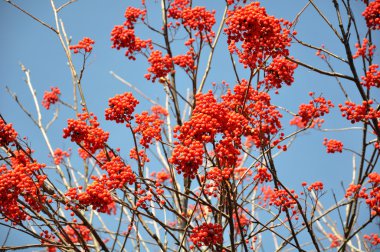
25,41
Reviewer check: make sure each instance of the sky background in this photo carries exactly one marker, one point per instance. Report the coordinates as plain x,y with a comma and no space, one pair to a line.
25,41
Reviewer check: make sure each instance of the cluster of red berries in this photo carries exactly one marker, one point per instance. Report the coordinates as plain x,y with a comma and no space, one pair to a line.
186,61
187,158
96,195
262,175
132,15
90,137
20,181
149,127
59,154
372,77
279,71
51,97
119,174
122,37
140,156
335,240
76,230
352,190
297,121
359,112
7,133
161,176
121,108
333,145
200,20
207,234
85,44
316,186
362,50
261,35
282,199
374,239
314,109
372,16
159,66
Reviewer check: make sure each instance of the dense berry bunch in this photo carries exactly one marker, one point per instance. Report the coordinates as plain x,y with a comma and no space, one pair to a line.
279,71
372,15
90,137
352,190
316,186
187,158
176,8
372,198
333,145
59,154
261,35
200,20
122,37
96,195
282,199
186,61
262,175
359,112
132,15
85,44
149,127
314,109
207,234
121,108
119,174
159,66
362,50
374,239
7,133
372,77
51,97
77,232
20,181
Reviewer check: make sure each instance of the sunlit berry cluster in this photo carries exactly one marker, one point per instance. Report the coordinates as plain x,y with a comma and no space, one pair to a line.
119,174
372,15
207,234
148,127
282,199
76,232
85,132
372,77
262,175
362,50
352,190
316,186
335,240
59,154
374,239
159,66
372,196
279,71
140,156
333,145
200,20
187,158
316,108
176,8
51,97
132,15
186,61
7,133
20,181
85,44
121,108
261,35
96,195
359,112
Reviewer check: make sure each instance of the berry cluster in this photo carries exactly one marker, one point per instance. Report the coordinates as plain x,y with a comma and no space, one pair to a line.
90,137
59,155
261,35
316,186
20,181
85,44
279,71
359,112
372,16
281,198
207,234
159,66
149,127
362,50
200,20
335,240
119,174
75,231
262,175
121,108
333,145
372,77
374,239
7,133
314,109
51,97
96,195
